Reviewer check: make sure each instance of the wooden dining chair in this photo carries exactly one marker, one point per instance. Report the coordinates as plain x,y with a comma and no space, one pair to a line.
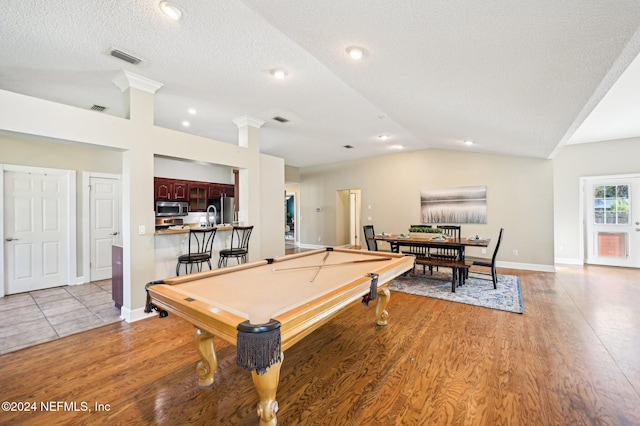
450,231
486,262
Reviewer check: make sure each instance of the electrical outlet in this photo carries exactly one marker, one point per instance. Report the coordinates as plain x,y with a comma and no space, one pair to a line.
484,250
515,252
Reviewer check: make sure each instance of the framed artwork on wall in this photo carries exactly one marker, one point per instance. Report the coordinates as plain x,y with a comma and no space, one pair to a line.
454,205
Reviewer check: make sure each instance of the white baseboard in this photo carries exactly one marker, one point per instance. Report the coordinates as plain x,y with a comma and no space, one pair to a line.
311,246
569,261
79,280
526,266
136,314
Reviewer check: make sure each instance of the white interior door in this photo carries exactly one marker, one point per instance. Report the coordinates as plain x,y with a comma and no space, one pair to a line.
105,224
36,230
612,221
354,218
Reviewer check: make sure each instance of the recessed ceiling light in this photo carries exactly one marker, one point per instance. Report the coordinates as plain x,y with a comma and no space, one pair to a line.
171,10
185,123
279,73
468,142
396,147
383,137
355,52
192,111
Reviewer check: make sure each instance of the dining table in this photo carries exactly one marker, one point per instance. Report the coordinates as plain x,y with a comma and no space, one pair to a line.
416,239
422,244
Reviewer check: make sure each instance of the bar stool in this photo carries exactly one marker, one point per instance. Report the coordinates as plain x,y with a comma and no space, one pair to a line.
200,247
239,247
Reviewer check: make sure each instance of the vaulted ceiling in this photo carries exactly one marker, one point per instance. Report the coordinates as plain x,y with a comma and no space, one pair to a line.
519,78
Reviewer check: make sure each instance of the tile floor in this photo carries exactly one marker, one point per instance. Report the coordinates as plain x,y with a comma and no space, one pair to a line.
27,319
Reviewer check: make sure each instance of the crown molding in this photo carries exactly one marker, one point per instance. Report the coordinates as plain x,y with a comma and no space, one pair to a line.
247,120
126,79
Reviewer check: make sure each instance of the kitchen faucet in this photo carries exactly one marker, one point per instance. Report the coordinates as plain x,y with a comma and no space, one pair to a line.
215,213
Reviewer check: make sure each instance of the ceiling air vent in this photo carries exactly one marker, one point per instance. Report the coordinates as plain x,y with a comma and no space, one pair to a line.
348,146
125,56
97,108
281,119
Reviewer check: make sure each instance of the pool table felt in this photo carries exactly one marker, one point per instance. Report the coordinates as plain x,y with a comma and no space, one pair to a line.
265,291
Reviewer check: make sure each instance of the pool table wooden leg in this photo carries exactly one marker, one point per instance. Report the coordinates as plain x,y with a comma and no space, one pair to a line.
383,299
267,384
207,366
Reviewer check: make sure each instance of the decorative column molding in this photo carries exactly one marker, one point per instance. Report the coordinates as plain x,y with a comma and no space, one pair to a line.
138,94
249,131
247,120
126,79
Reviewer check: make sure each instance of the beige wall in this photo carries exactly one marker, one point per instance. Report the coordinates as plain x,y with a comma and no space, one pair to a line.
22,150
585,160
139,140
519,198
272,206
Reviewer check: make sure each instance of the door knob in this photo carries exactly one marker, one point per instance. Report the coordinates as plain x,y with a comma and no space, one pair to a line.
11,239
114,233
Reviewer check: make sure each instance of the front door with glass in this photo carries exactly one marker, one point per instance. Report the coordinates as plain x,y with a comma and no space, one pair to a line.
612,221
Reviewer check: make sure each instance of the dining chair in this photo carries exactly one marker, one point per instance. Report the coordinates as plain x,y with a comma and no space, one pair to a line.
239,247
450,231
369,236
200,247
486,262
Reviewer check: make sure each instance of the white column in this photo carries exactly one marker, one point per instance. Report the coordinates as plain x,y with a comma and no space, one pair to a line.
137,195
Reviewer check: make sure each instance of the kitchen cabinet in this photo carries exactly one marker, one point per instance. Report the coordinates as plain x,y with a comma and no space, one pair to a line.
214,190
170,189
226,190
196,193
116,275
198,196
217,190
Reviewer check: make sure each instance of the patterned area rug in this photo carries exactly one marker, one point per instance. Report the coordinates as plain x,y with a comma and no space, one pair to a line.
475,291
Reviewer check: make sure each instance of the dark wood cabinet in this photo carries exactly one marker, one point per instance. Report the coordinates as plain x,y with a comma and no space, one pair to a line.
198,196
170,189
116,275
196,193
226,190
214,190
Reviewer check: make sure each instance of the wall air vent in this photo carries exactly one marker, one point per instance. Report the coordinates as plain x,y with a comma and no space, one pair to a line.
98,108
125,56
348,146
281,119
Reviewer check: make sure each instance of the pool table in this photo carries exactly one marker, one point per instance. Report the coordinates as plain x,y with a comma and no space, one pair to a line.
265,307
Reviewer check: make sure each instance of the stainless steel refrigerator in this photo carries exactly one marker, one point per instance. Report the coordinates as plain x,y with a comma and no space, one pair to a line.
225,207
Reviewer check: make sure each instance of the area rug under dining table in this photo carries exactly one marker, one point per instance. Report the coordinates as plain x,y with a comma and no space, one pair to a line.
476,291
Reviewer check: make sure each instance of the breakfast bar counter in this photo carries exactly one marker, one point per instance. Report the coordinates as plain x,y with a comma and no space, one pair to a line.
169,244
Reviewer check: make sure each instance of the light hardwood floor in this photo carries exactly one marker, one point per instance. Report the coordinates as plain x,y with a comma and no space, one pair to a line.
570,359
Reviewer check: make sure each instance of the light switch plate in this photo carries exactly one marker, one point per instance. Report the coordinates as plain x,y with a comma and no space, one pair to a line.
141,230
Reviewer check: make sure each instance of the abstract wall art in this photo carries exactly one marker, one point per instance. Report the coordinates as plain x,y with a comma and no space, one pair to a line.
454,205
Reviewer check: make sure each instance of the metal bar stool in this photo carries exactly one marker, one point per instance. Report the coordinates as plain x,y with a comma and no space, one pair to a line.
200,247
239,247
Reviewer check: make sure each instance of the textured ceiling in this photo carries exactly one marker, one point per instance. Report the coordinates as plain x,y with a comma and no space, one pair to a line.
515,77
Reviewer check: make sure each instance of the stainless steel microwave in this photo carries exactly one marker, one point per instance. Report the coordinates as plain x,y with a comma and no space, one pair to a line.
171,208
